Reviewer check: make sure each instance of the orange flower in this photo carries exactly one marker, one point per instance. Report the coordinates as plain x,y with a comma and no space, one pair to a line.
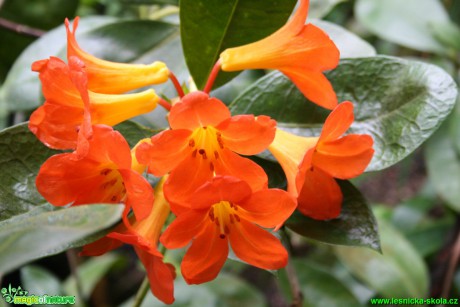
225,210
102,174
302,52
143,236
58,121
202,142
311,164
110,77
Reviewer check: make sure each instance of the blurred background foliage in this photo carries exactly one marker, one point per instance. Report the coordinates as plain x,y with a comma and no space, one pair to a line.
416,202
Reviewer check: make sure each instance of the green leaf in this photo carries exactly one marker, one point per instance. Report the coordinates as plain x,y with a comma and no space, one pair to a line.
134,132
355,226
39,281
225,291
21,90
443,164
208,27
107,39
400,103
46,231
403,22
398,272
320,8
90,272
21,155
447,33
319,287
350,45
171,2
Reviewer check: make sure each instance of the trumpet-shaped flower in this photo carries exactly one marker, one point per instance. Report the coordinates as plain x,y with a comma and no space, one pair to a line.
301,51
202,142
57,122
311,164
102,175
225,211
143,236
110,77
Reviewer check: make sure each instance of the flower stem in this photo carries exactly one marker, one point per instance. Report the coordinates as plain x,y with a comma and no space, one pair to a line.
212,77
164,104
176,83
142,292
297,296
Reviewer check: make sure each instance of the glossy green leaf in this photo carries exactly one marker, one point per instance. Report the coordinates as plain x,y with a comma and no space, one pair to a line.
398,272
356,225
320,8
225,291
400,103
21,155
208,27
40,281
405,22
46,231
21,90
107,39
443,163
350,45
91,272
319,287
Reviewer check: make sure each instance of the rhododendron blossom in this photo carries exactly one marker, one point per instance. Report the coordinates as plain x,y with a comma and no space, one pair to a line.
225,211
143,236
102,175
300,51
204,140
111,77
57,122
311,164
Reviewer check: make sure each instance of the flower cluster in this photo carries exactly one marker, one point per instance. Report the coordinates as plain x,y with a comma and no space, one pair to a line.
220,198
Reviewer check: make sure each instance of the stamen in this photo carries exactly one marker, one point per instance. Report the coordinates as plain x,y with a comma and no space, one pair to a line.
211,214
105,171
191,143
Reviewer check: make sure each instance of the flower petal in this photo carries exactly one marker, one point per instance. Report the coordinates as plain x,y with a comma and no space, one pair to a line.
268,208
257,247
196,110
205,257
165,152
313,85
219,188
161,275
183,229
56,125
346,157
139,193
100,247
246,134
184,180
338,122
320,196
233,165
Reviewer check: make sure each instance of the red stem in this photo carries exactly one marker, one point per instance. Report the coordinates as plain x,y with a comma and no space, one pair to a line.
212,77
176,83
164,104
